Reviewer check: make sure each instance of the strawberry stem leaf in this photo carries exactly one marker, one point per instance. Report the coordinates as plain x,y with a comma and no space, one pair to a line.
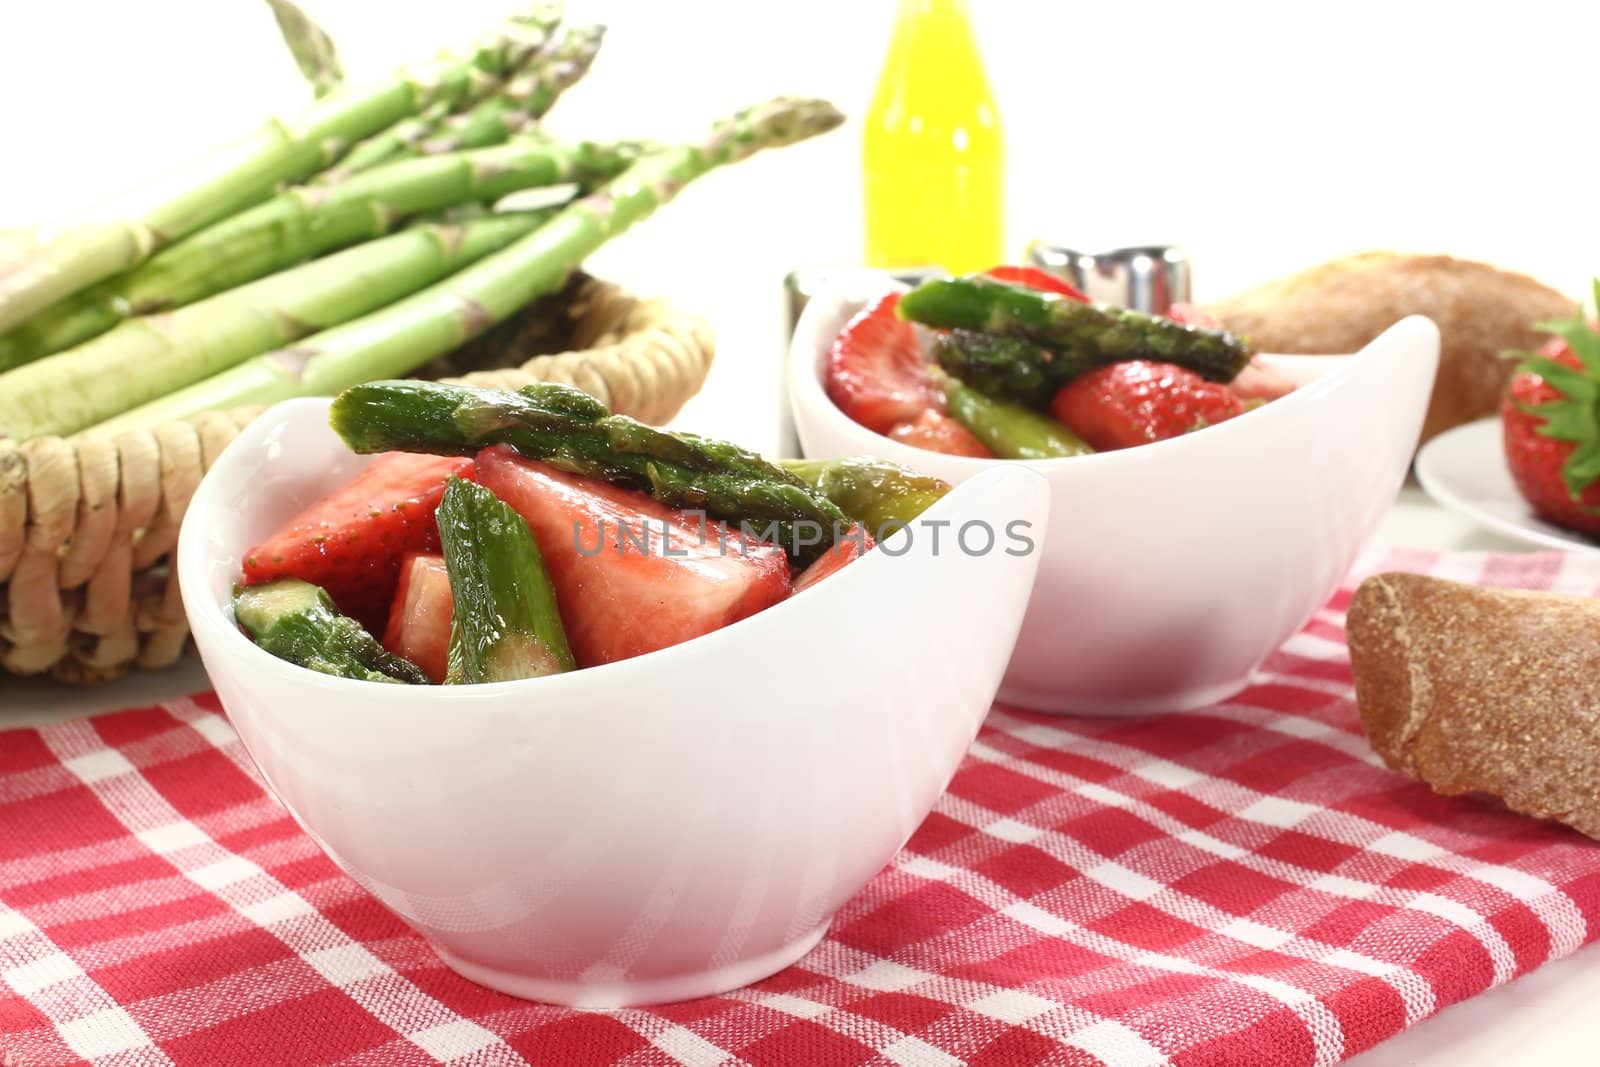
1575,415
1579,336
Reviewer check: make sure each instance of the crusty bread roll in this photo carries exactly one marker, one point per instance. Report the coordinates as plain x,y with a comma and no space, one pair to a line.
1343,304
1483,690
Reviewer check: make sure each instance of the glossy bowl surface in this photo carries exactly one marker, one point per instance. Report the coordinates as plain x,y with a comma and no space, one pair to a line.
661,828
1171,570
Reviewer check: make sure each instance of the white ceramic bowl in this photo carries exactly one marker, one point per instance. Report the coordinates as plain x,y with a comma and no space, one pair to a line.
1171,570
665,827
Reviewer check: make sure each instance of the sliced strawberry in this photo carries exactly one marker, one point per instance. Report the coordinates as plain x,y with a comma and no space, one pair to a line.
1191,315
938,432
419,619
1137,402
852,546
1034,278
351,542
1260,382
876,372
631,575
1257,381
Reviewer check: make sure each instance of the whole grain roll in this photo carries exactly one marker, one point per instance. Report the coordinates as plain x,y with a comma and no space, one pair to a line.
1483,690
1343,304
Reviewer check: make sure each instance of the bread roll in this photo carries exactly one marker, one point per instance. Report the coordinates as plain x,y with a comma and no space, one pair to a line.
1343,304
1483,690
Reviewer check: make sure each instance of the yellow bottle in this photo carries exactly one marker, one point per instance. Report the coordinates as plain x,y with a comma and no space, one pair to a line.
932,154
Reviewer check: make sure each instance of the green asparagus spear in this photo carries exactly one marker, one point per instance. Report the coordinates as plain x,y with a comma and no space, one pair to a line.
296,621
455,658
304,223
310,45
509,107
56,263
880,495
523,100
405,336
144,359
401,140
1008,368
1097,333
571,431
1009,430
507,624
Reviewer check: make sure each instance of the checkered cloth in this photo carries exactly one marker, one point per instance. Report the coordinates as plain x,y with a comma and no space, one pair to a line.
1240,885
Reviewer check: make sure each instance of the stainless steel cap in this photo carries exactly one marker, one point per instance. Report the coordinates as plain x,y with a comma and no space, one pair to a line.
1148,278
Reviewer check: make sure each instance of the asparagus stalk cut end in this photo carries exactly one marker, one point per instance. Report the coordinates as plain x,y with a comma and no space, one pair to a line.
880,495
507,623
296,621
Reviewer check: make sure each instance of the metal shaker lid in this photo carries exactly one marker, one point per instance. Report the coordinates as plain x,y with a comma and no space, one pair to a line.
1149,278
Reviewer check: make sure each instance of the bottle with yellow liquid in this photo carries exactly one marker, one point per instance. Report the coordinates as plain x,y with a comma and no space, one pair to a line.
932,155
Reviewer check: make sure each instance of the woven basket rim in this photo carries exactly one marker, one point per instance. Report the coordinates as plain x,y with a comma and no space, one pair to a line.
87,524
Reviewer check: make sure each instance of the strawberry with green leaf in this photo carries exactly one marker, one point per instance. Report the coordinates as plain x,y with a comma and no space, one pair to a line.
1551,423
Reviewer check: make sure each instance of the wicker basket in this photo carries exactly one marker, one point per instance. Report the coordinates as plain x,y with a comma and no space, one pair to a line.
87,525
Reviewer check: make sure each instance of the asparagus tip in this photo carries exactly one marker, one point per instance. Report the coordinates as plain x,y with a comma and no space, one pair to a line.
780,121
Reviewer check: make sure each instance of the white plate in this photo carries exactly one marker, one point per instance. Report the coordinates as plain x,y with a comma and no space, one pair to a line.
1254,521
1465,470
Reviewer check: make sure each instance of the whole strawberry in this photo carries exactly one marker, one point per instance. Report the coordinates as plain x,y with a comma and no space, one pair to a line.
1551,424
1137,402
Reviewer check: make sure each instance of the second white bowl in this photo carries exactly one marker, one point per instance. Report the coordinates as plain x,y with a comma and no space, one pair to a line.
1171,570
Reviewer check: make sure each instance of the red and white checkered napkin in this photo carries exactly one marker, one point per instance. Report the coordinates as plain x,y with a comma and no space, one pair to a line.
1245,885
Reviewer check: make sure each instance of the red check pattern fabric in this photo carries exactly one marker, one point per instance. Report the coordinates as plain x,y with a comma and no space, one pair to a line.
1244,884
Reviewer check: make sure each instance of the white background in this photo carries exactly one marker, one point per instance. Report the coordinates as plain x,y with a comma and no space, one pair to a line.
1264,137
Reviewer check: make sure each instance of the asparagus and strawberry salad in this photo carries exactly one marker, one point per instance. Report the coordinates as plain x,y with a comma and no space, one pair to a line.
1017,364
359,240
506,535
